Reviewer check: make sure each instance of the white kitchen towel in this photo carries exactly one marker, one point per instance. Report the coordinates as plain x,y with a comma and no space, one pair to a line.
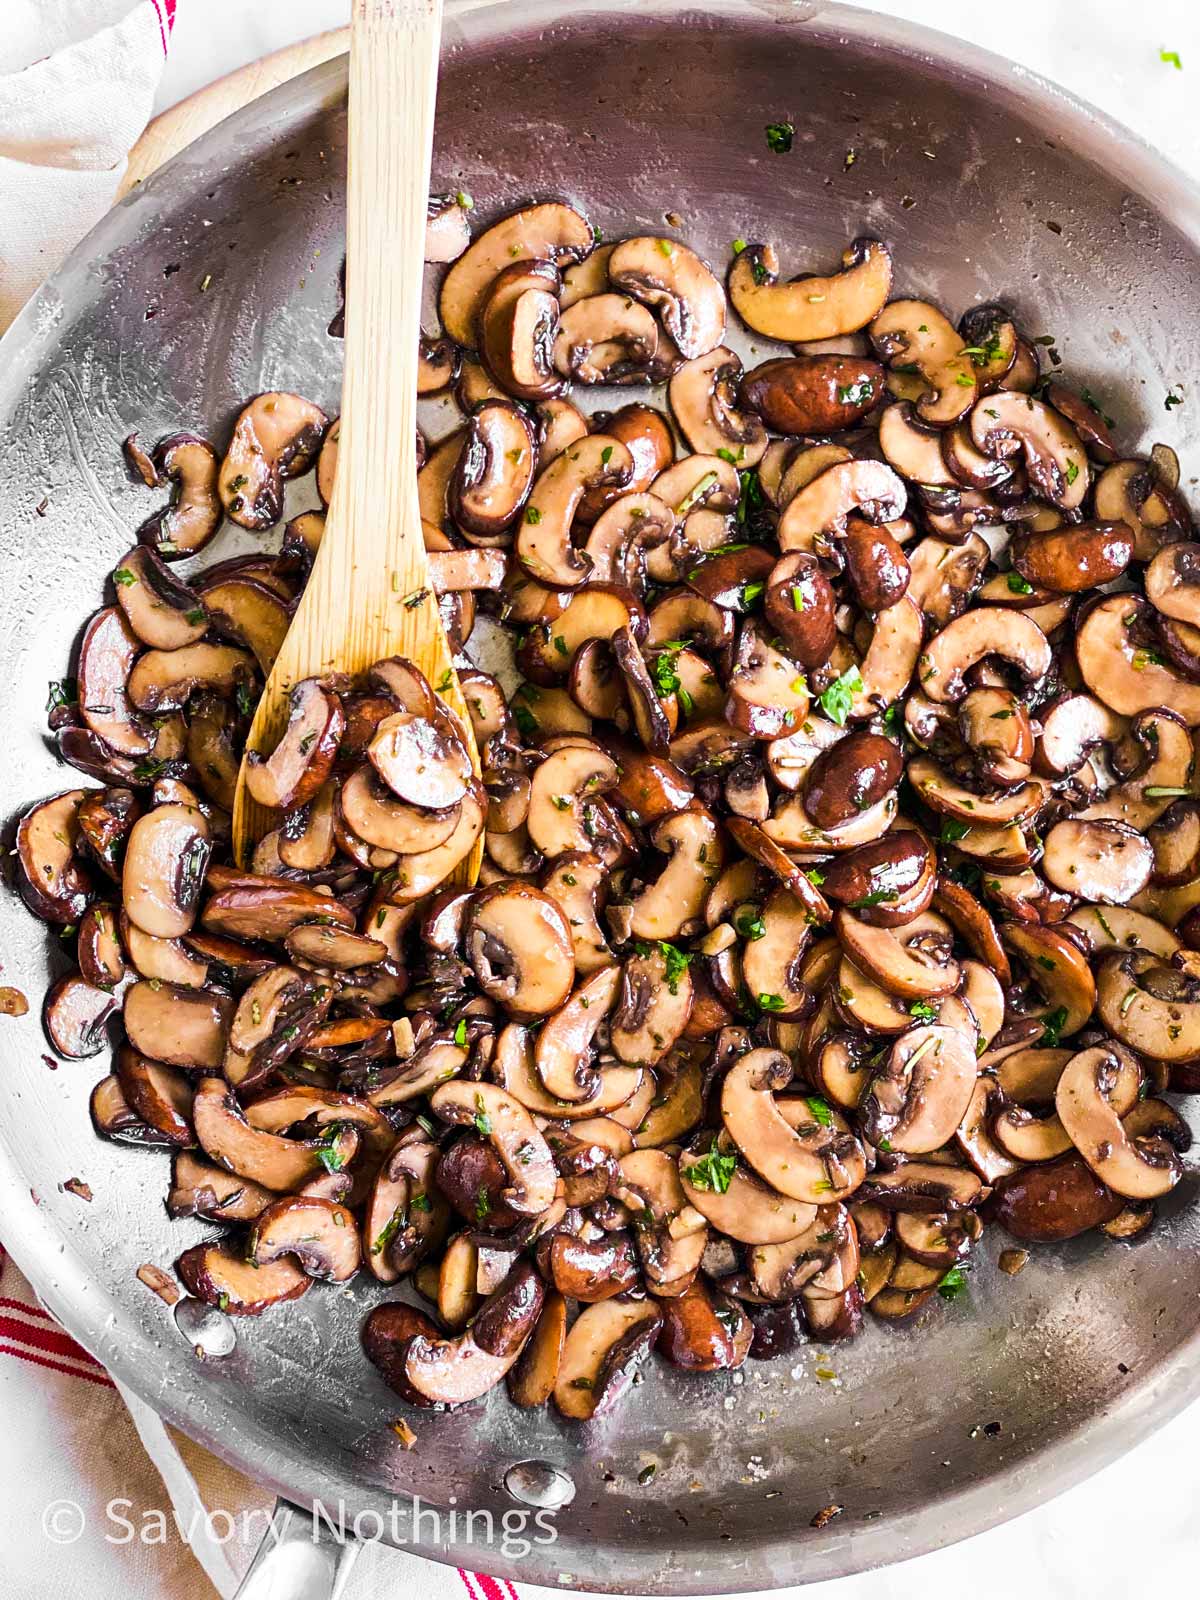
77,85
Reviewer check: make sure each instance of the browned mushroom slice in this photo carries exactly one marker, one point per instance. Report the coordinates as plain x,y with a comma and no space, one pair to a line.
160,1095
799,606
182,1026
494,471
49,878
918,1101
606,1345
810,308
1099,861
673,280
877,567
420,761
553,232
451,1372
162,680
771,959
519,946
201,1189
1149,1005
107,655
691,841
912,961
256,908
426,870
162,611
985,631
913,447
653,1005
98,948
849,776
941,793
821,509
973,925
703,398
220,1275
190,465
531,1381
1054,457
437,367
517,324
376,816
577,883
522,1149
74,1015
277,436
736,1202
1173,582
1132,492
915,334
164,868
563,793
323,946
606,338
812,394
923,1186
543,543
1073,559
651,721
265,1158
457,572
1127,676
1054,1201
115,1119
813,1162
1139,1168
250,612
768,693
320,1235
1058,968
563,1050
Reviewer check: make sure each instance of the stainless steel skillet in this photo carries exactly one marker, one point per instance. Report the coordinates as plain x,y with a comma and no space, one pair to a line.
217,278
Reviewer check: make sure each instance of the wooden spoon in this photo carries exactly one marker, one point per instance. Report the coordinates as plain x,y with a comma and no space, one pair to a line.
369,594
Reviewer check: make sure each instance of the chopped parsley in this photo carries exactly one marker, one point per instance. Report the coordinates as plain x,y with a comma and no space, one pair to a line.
124,577
876,897
953,831
662,668
675,961
839,697
954,1285
714,1171
327,1151
1172,400
856,394
770,1002
748,924
1019,585
460,1031
532,515
196,616
819,1109
780,136
1170,58
923,1010
1052,1025
63,692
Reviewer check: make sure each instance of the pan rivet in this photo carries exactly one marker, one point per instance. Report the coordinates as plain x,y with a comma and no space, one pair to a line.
208,1330
537,1483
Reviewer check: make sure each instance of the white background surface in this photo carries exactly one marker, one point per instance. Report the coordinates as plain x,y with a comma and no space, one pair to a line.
1137,1522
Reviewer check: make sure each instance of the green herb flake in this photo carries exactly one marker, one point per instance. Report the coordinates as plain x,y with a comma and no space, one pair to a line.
839,697
954,1284
124,577
770,1002
460,1031
953,831
532,515
1018,585
819,1110
1172,400
1170,58
748,924
62,692
713,1172
418,597
923,1011
1052,1025
856,394
780,136
483,1123
196,616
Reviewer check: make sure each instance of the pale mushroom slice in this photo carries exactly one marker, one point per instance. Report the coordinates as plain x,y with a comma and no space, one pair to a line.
810,308
554,231
703,399
161,610
1165,775
450,1372
691,841
1140,1168
562,796
1149,1005
606,338
164,680
1005,423
1059,969
497,1116
183,1027
492,475
1121,928
920,1098
191,466
819,512
1173,582
912,961
1127,676
915,335
220,1275
518,320
229,1140
654,1004
543,542
604,1348
984,631
675,282
108,652
512,1067
1133,492
814,1163
165,861
319,1234
421,761
670,1234
277,436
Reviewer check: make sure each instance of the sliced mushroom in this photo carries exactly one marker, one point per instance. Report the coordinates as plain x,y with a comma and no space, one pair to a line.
606,338
451,1372
1071,560
691,842
564,1043
49,878
807,394
163,680
812,1163
164,868
985,631
519,945
494,470
918,1101
703,397
821,509
221,1276
1004,423
606,1345
553,232
673,280
162,611
319,1234
543,542
1098,861
518,322
1127,676
277,436
810,308
1131,492
653,1007
1139,1168
912,961
915,335
74,1015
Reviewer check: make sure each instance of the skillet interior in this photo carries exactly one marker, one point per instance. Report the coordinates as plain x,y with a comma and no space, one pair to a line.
632,109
